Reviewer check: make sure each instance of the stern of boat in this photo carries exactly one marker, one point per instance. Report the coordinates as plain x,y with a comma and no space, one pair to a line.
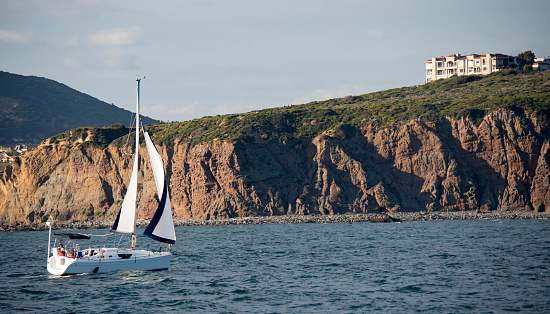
58,264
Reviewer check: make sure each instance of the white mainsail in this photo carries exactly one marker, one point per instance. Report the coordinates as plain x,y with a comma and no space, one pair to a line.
126,219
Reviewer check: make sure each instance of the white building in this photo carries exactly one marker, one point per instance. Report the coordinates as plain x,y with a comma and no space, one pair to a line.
21,149
444,67
541,64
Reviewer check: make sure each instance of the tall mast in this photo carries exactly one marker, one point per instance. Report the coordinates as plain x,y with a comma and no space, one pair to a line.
126,219
138,81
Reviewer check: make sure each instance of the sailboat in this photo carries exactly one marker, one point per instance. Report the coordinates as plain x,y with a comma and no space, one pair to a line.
65,261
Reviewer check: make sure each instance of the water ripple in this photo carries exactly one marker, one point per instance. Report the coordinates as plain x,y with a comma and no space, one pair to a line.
439,266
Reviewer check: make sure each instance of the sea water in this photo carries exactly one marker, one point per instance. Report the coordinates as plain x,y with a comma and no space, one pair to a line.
431,266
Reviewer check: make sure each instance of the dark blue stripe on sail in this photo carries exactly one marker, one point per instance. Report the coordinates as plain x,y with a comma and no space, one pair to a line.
156,218
115,225
160,239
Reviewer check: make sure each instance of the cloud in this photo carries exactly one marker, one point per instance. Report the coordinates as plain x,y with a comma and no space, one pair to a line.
116,37
189,108
72,64
160,111
13,37
118,58
71,42
325,94
374,34
193,109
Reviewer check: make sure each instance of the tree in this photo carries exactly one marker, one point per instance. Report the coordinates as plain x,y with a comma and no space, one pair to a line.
526,58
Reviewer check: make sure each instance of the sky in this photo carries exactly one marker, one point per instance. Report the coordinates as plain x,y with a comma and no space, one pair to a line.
210,57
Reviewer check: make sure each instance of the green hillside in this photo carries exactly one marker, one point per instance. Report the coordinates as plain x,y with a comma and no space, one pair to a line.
468,96
34,108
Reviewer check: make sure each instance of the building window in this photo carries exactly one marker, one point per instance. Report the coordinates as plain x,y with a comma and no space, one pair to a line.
428,80
461,62
428,65
461,70
484,69
439,65
429,72
484,62
439,72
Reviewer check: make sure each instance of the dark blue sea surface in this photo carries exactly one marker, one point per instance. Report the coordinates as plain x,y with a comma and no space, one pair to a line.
432,266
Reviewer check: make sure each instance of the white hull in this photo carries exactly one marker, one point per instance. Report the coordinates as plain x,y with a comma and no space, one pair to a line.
108,259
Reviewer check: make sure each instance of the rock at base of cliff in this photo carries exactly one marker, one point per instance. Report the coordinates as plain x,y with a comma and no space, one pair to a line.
384,218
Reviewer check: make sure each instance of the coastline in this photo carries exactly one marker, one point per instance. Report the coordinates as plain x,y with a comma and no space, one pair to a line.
343,218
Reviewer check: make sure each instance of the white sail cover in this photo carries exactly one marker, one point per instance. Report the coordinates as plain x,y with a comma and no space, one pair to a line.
161,227
126,220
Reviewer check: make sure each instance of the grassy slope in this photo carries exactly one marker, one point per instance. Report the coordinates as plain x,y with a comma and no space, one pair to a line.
470,96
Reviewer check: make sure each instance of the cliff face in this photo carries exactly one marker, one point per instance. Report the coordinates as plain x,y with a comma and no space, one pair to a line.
501,164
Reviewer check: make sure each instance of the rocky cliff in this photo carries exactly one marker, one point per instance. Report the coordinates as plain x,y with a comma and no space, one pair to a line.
501,163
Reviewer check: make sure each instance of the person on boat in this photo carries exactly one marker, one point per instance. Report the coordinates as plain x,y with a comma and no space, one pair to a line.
61,250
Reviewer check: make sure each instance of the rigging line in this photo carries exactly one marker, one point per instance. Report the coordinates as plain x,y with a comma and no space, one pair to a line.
132,121
121,237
